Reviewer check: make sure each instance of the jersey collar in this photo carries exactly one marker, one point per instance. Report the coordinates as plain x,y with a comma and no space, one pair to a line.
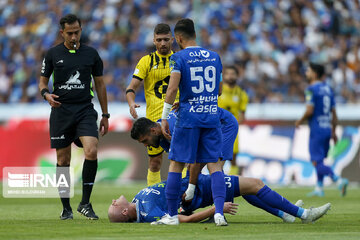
193,47
160,55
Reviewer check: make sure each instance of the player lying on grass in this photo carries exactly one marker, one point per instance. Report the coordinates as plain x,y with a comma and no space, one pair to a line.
150,203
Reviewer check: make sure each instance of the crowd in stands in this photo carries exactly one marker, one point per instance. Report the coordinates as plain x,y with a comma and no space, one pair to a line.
270,41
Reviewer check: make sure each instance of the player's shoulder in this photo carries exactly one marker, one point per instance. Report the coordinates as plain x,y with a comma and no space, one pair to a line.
146,59
56,48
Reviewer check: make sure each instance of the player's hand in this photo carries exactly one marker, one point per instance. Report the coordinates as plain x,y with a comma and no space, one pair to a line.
51,100
104,126
175,106
133,110
189,194
230,208
297,124
165,129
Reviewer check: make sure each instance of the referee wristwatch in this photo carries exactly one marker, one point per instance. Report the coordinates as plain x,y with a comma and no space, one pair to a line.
106,115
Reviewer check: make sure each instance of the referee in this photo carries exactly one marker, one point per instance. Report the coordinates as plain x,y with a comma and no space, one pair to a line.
73,117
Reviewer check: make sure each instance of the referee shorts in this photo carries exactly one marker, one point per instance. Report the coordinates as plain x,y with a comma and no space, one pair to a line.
71,121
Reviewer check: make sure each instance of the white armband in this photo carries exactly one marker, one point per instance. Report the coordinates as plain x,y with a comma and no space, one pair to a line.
166,110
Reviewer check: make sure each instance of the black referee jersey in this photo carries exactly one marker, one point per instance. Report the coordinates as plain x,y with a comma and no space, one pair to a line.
72,72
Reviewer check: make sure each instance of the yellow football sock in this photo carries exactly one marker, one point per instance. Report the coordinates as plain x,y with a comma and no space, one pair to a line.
234,170
153,177
184,172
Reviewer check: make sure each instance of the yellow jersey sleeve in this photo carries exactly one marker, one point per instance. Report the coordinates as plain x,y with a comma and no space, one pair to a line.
141,69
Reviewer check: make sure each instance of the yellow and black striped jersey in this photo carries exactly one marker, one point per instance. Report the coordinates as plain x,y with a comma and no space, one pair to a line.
154,69
233,99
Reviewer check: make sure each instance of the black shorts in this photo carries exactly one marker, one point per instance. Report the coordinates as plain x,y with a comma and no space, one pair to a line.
71,121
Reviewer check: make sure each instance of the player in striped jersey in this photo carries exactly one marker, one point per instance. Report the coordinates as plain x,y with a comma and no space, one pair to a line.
233,99
154,71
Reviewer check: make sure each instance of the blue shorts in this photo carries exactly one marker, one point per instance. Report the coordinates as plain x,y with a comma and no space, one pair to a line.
319,146
229,131
203,195
190,145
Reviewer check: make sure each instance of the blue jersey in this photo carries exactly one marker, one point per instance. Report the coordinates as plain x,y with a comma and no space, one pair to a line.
200,71
321,97
227,121
151,202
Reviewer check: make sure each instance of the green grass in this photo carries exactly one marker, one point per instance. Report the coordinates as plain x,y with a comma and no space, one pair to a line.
38,219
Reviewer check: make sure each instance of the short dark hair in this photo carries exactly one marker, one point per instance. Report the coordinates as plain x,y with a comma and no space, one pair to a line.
69,19
233,68
162,28
318,69
186,27
141,127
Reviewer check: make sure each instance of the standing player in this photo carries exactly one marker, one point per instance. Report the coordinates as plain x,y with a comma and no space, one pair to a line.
233,99
154,70
322,118
197,135
73,117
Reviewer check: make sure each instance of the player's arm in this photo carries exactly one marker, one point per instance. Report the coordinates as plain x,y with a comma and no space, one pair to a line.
46,71
229,207
130,96
45,93
173,87
220,88
243,104
308,113
309,107
169,100
102,96
334,123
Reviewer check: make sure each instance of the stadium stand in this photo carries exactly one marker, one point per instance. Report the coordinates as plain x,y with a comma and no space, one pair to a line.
270,41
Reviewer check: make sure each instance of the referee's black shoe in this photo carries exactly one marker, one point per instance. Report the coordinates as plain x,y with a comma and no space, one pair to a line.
66,214
87,211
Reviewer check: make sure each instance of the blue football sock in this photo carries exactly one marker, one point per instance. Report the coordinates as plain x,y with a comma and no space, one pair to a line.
323,170
218,191
172,192
275,200
255,201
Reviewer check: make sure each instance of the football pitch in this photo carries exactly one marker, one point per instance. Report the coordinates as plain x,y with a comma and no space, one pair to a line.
39,219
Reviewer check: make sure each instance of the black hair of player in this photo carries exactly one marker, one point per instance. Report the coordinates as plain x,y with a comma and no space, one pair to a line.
162,28
185,27
141,127
69,19
318,69
233,68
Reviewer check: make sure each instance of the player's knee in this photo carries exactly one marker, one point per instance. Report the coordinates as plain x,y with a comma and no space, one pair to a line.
91,153
258,184
63,160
